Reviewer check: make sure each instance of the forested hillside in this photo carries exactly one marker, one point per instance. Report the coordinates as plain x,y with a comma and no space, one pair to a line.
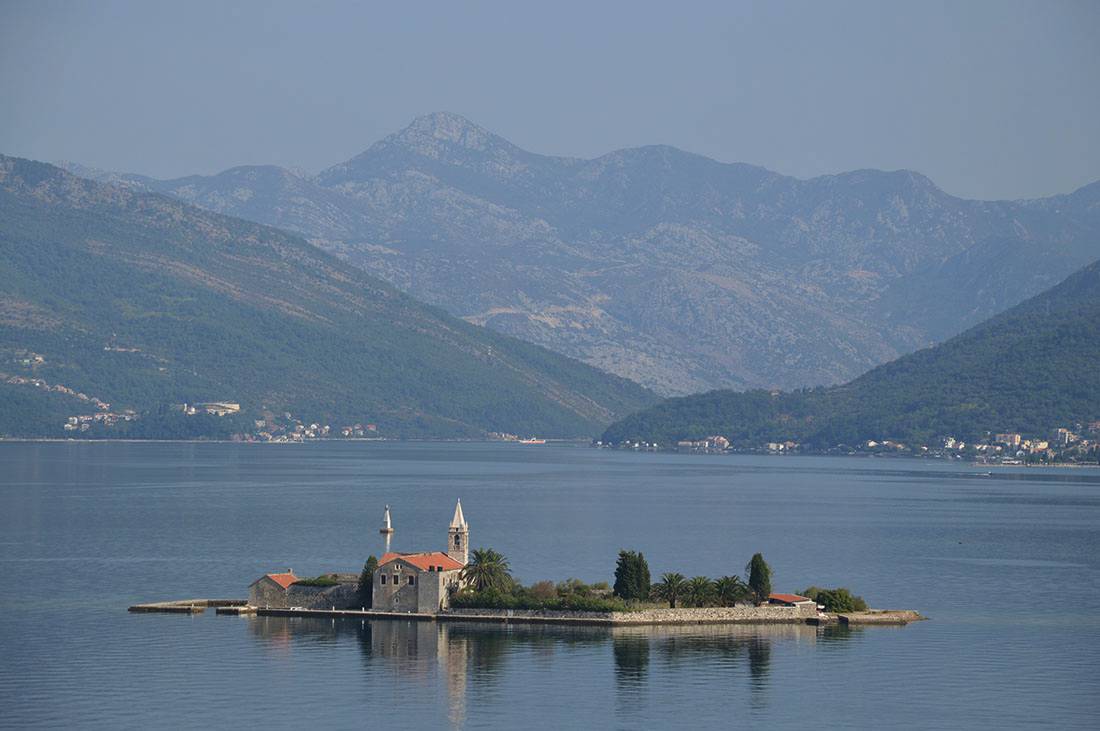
1030,370
141,302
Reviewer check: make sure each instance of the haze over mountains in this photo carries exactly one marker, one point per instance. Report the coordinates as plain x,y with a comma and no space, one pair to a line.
1030,369
665,267
116,296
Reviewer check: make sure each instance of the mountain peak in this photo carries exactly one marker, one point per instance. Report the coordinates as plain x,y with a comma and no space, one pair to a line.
441,137
446,123
431,131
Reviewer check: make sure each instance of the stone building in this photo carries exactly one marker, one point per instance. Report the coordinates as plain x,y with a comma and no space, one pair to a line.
270,589
281,591
344,594
422,582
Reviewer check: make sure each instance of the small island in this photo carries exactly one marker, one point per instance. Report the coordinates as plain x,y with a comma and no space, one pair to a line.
458,584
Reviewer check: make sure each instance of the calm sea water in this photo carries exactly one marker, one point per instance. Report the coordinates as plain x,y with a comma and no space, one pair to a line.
1007,566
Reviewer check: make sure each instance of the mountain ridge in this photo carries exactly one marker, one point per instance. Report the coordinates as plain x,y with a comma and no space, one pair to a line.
1029,369
142,300
662,265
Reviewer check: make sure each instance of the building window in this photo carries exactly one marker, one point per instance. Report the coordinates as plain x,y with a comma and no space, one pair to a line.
412,580
383,577
396,579
458,541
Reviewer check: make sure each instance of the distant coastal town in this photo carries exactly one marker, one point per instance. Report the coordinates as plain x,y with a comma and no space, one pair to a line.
1076,444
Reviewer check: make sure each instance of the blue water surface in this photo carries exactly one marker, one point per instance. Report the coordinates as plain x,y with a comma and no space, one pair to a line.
1005,564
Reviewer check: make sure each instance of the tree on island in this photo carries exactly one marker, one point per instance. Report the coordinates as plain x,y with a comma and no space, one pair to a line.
632,576
487,569
760,578
730,590
366,582
700,591
671,587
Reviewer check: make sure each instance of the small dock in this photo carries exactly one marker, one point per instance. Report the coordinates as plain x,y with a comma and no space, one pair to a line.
188,606
899,617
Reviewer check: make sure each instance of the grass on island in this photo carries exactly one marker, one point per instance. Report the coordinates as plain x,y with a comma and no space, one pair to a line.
322,580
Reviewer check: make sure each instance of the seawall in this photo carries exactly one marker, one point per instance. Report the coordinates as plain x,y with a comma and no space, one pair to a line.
685,616
645,617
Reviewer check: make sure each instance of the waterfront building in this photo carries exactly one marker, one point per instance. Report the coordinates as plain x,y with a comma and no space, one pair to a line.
423,581
270,589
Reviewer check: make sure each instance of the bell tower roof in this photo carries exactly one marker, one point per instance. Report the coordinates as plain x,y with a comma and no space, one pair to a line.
459,521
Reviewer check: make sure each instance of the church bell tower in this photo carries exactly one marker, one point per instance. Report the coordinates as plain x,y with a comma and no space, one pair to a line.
458,537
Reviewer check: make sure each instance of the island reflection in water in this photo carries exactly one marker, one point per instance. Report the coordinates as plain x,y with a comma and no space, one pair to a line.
467,658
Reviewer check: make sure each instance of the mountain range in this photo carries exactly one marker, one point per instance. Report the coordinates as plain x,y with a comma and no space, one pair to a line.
672,269
116,299
1030,369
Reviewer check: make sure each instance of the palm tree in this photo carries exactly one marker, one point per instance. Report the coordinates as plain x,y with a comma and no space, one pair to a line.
700,590
731,589
670,588
487,569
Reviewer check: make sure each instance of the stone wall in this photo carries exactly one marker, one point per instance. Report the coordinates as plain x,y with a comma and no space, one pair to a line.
397,594
708,615
435,590
341,596
267,593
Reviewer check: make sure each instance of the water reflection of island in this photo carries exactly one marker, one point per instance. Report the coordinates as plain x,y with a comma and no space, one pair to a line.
470,657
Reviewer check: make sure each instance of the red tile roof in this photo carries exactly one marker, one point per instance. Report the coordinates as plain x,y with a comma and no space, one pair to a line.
424,561
789,598
283,580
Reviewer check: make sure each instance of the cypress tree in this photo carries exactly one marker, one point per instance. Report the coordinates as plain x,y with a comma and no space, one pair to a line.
631,576
366,582
625,575
642,587
760,577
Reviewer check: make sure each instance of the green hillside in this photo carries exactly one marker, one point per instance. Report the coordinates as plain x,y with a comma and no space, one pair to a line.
1030,369
143,302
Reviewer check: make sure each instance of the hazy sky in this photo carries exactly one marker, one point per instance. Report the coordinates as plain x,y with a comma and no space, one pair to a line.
989,99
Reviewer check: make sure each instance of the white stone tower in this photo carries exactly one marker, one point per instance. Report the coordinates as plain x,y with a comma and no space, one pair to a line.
387,528
458,537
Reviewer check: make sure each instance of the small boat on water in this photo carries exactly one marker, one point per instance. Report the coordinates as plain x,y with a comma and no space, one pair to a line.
532,440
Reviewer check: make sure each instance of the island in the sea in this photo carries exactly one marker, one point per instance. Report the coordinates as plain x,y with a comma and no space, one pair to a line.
457,584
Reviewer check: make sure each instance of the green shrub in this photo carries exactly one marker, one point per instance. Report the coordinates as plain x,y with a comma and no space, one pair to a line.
836,600
323,580
528,598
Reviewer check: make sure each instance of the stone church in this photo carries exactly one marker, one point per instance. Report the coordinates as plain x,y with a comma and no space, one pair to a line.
422,582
